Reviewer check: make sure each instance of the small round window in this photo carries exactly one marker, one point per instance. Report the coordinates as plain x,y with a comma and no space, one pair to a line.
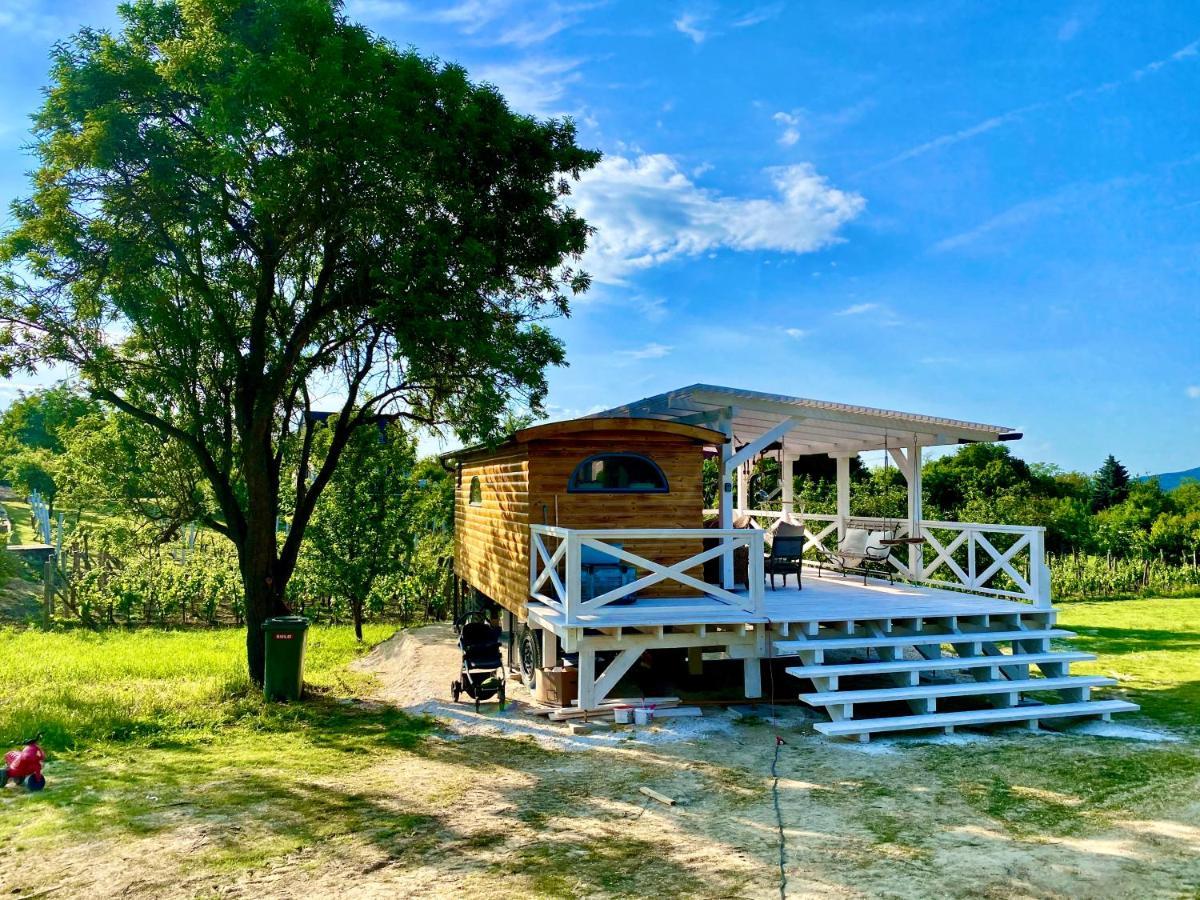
476,492
618,473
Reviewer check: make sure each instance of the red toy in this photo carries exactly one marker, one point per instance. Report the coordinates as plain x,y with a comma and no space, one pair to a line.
25,766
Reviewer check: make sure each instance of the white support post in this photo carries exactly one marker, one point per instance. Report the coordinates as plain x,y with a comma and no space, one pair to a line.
752,668
574,584
725,495
549,649
757,573
843,494
743,489
787,485
1039,572
587,678
915,552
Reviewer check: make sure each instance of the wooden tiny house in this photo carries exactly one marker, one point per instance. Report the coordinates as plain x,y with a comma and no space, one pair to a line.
590,534
528,480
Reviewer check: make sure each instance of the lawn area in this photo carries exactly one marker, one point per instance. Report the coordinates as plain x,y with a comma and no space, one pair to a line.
1152,648
18,515
169,777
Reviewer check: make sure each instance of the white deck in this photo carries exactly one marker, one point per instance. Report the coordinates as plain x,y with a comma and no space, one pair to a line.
827,598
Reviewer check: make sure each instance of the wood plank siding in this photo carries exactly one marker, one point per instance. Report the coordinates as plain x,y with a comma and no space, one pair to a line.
525,480
491,540
553,461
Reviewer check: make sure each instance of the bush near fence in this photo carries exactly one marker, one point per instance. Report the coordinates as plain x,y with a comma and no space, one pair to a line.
1084,575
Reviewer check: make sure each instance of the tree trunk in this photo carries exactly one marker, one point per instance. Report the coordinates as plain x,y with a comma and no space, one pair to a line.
357,610
262,580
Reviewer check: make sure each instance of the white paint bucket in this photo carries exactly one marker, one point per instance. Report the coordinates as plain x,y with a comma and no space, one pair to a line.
621,714
641,715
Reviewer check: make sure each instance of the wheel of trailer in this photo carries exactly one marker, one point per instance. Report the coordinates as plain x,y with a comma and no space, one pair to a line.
529,656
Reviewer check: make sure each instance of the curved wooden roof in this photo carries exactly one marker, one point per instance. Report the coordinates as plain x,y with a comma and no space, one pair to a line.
617,423
592,426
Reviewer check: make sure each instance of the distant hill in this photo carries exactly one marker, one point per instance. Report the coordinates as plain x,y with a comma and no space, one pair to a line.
1171,480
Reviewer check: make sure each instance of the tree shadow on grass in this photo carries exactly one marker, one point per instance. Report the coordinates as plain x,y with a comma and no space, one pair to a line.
1117,641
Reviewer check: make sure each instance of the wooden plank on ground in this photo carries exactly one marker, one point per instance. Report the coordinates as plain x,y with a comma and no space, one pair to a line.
655,795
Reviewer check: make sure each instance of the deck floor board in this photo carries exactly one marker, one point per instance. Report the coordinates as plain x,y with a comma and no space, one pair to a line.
823,598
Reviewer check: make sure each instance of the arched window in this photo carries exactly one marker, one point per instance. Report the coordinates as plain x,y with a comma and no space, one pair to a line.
618,473
476,495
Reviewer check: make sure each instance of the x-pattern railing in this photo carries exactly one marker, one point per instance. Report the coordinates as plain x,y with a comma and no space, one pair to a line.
555,573
1026,548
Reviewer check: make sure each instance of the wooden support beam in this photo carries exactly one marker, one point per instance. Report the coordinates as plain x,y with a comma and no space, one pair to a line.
753,677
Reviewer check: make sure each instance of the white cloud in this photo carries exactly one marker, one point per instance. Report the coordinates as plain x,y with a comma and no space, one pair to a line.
535,85
647,211
1068,29
1191,50
519,23
993,122
689,24
796,333
758,15
1057,202
650,351
791,127
1193,391
858,309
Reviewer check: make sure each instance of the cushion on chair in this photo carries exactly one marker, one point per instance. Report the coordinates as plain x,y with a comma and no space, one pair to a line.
875,545
855,541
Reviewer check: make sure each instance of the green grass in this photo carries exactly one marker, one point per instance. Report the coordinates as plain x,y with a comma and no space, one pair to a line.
82,688
18,515
141,727
1152,648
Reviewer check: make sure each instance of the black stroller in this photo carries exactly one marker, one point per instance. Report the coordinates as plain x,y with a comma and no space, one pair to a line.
482,674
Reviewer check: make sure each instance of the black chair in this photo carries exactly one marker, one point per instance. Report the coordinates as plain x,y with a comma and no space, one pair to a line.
786,556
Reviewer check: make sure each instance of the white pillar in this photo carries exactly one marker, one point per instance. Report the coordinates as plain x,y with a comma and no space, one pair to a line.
752,676
743,485
549,648
587,678
915,556
725,496
843,494
787,484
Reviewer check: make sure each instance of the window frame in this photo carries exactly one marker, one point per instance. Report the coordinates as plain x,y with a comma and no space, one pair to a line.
475,485
573,488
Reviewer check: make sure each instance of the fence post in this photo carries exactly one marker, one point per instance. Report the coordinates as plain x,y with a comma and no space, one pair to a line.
757,550
534,538
1039,572
47,593
574,583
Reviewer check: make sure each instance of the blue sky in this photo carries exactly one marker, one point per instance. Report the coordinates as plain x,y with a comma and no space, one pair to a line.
990,214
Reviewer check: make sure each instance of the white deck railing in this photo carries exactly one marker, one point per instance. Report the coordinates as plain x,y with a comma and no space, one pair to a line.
556,569
959,555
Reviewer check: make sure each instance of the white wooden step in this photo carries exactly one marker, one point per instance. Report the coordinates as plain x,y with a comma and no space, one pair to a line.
884,666
788,648
957,689
977,717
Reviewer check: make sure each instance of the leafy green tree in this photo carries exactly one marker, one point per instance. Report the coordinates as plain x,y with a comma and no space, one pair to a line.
39,419
362,528
111,460
1110,486
240,202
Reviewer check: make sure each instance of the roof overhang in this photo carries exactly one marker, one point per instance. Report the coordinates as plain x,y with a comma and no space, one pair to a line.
817,426
594,425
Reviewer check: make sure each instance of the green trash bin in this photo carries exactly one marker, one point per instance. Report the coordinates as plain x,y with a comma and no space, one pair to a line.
285,638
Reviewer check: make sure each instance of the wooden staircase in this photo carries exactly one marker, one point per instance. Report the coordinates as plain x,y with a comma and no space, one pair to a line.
942,673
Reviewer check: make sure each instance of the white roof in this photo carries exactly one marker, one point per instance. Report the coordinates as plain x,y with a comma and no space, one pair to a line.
821,426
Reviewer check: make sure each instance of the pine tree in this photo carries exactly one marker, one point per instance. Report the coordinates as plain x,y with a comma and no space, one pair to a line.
1111,485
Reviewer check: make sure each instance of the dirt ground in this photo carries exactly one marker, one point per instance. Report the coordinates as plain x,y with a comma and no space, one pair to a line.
504,804
858,820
